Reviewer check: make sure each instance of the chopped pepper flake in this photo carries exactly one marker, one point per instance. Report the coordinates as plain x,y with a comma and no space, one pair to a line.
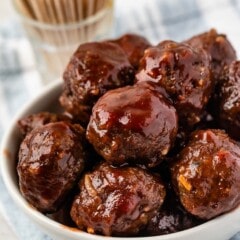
185,183
90,230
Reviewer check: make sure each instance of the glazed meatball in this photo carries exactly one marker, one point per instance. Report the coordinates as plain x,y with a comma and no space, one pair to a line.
117,201
51,159
183,72
134,46
229,110
27,124
134,124
171,217
93,69
207,174
218,46
222,54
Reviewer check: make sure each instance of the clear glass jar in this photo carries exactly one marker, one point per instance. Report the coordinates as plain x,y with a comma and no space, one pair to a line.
54,43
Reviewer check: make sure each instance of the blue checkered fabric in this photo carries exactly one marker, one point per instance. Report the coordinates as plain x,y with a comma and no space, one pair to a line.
157,20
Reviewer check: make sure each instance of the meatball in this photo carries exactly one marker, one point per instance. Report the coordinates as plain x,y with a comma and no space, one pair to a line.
222,54
217,45
51,159
27,124
93,69
207,174
134,46
171,217
134,124
117,201
183,72
229,97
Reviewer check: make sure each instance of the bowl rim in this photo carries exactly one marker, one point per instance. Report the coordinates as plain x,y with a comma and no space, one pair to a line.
66,231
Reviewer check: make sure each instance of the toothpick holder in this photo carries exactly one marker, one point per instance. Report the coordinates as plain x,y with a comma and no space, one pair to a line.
56,28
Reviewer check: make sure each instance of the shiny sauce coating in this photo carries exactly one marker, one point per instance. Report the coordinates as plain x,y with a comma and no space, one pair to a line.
133,124
94,68
206,175
183,72
229,108
51,159
117,201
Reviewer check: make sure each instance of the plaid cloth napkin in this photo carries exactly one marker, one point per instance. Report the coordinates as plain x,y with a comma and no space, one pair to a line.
156,19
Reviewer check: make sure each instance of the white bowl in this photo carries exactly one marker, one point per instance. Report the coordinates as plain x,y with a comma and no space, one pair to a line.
220,228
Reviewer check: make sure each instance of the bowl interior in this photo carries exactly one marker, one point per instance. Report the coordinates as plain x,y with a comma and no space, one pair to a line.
222,227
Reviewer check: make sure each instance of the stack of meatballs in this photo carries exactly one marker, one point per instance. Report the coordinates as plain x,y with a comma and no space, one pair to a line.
147,142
